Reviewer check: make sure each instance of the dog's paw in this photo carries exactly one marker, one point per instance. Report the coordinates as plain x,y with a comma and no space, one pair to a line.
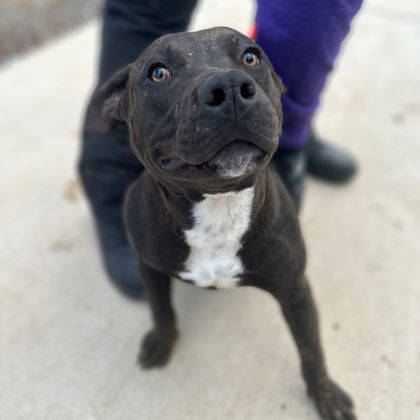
332,402
156,348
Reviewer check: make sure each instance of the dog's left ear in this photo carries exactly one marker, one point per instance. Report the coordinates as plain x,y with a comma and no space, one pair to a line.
278,82
281,90
109,103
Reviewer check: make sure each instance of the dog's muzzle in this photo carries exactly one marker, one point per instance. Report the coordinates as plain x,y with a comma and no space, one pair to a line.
222,108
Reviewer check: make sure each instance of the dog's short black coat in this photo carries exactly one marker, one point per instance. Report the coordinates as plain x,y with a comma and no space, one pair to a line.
204,118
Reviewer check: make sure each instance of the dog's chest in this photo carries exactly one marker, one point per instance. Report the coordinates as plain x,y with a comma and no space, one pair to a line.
220,222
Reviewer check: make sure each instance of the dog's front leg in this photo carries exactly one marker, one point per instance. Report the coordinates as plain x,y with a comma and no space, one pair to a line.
301,315
158,343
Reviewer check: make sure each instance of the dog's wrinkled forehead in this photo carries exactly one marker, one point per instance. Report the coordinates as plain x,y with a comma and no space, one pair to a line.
208,49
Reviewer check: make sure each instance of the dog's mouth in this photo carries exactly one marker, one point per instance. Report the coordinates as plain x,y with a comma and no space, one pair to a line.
237,158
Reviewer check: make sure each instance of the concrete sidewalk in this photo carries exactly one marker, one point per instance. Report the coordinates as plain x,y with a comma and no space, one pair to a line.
68,342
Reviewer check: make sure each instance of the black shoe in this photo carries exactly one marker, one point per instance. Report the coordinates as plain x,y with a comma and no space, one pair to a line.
119,259
290,164
328,162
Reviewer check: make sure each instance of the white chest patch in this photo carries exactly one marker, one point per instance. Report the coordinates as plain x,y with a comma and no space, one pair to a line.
220,221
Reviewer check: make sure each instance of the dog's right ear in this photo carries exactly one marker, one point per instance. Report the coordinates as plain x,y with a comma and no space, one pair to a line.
109,103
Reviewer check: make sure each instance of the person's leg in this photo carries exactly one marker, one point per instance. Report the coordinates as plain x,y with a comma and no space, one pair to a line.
107,165
302,39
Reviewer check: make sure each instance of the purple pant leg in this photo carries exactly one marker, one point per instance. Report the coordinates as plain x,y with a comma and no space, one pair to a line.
302,39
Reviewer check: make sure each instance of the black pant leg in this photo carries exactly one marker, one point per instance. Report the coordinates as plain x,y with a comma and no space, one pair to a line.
130,26
107,165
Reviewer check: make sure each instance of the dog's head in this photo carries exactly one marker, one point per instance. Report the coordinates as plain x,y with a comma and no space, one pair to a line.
203,108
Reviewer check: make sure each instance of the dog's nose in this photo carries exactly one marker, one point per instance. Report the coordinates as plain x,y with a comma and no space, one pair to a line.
228,91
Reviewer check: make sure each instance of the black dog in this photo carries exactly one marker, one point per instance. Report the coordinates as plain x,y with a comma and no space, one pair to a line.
204,117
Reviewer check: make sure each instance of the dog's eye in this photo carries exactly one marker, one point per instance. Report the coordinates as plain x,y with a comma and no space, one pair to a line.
158,73
251,59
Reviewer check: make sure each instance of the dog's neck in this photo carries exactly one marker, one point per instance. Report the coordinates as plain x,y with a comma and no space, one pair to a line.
179,199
